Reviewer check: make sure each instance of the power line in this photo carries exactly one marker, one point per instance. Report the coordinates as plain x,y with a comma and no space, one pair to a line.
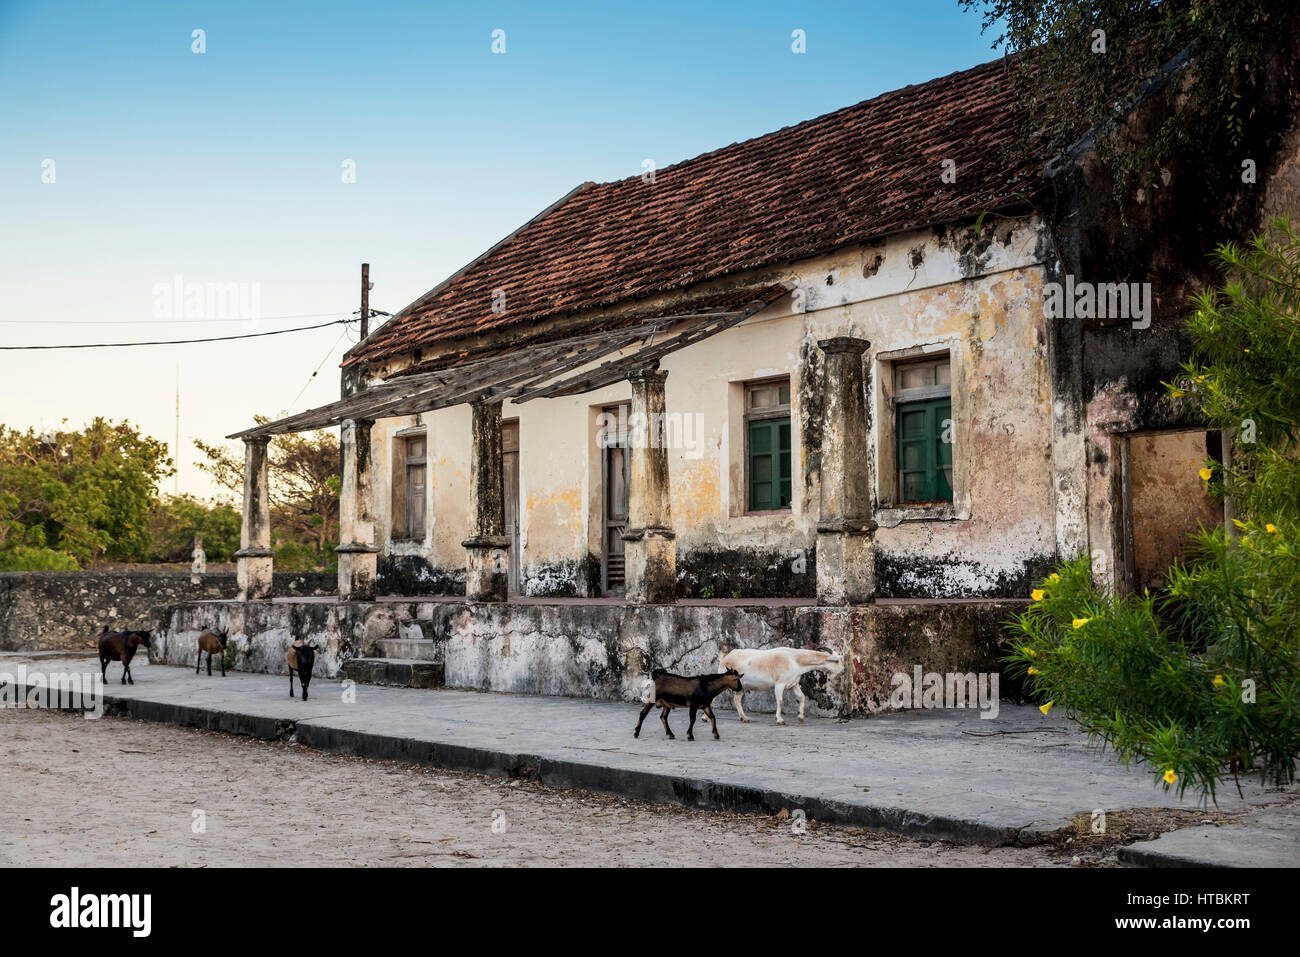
150,322
311,377
181,342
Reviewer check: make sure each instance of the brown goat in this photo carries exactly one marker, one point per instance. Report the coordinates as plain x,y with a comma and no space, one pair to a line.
214,643
697,693
120,646
301,658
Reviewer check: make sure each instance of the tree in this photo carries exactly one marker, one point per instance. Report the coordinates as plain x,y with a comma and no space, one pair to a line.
304,483
1203,677
75,497
174,521
1086,66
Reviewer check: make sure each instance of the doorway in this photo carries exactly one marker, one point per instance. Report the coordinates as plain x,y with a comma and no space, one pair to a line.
614,509
1164,502
510,482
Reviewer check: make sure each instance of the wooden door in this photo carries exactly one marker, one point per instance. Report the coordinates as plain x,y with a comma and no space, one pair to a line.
615,474
510,470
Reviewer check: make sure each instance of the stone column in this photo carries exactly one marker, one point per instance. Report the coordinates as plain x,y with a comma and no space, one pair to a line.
255,558
650,552
356,550
846,560
488,561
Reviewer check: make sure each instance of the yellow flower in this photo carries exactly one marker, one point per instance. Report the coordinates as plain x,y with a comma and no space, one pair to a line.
1205,474
1080,622
1054,577
1037,594
1034,671
1219,682
1031,653
1047,707
1270,527
1170,777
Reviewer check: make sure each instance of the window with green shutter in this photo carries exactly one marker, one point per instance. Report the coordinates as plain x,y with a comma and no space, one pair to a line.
925,451
923,429
767,445
769,464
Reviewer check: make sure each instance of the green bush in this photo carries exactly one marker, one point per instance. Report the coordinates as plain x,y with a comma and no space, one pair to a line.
299,557
1195,681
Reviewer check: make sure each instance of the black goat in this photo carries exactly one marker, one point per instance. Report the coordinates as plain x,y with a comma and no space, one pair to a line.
301,658
120,646
697,693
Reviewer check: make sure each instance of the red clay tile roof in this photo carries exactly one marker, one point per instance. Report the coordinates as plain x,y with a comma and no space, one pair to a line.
847,177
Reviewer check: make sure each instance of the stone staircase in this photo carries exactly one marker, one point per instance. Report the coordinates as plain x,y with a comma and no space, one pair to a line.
406,663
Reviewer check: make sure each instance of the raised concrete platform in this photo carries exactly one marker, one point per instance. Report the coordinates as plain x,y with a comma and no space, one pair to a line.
1267,838
1018,779
604,649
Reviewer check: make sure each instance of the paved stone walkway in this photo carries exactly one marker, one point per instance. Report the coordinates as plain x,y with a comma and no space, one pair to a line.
948,774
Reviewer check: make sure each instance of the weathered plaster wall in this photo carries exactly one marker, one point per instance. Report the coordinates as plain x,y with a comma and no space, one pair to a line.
45,611
978,295
603,651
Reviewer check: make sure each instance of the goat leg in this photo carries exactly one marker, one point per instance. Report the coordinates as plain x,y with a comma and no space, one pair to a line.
198,664
644,711
736,696
664,718
712,720
690,728
290,682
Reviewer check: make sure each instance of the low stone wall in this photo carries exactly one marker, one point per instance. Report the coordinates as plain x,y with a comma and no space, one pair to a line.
604,651
54,611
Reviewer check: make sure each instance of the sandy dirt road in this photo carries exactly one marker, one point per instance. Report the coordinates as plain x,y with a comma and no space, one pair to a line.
116,792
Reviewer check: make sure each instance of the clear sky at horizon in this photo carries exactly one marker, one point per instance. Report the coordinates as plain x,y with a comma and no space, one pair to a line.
226,166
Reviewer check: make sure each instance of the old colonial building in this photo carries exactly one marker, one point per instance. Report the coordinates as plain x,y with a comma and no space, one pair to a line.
868,362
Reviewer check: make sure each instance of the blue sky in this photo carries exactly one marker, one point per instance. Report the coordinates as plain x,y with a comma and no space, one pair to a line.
226,166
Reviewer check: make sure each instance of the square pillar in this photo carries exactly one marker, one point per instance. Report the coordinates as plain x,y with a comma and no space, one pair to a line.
488,546
255,558
846,559
650,549
358,555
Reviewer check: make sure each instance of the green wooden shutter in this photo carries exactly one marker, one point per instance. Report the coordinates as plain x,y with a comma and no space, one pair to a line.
769,464
924,458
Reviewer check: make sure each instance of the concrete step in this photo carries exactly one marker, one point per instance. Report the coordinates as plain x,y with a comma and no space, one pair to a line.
395,672
408,649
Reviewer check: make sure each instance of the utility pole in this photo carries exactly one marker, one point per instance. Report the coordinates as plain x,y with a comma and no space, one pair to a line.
365,300
176,449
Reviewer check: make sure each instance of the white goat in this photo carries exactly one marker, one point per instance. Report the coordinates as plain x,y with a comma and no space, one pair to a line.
776,669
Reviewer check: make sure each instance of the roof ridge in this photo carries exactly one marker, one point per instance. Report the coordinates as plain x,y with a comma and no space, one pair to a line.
1005,59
